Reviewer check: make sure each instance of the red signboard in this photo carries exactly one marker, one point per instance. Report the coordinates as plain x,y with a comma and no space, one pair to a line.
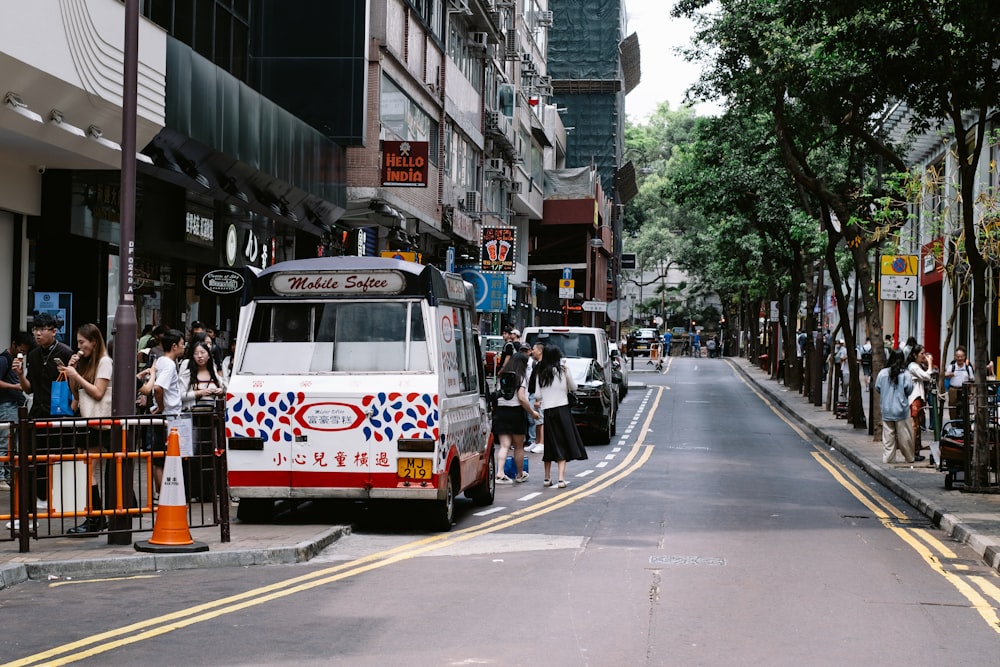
404,164
497,250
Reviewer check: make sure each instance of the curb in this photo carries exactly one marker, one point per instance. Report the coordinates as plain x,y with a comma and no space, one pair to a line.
988,548
15,573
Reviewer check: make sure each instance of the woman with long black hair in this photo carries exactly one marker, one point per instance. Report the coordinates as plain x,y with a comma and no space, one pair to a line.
552,381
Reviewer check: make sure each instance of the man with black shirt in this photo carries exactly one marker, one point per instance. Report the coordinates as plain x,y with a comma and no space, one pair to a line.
37,372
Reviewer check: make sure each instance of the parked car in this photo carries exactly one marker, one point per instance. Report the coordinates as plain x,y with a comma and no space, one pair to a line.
596,409
588,358
641,340
492,347
619,370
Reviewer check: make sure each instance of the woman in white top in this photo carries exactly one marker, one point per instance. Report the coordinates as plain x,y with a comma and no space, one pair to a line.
553,383
89,373
918,364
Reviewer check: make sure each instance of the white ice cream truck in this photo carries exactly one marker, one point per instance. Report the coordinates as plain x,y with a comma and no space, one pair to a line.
358,378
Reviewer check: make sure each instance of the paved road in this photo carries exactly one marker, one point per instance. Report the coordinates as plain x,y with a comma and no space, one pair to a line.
711,532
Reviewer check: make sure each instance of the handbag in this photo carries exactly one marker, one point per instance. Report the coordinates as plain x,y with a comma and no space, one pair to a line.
571,399
59,404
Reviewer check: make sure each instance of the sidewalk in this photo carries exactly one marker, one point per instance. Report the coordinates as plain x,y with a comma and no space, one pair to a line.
250,544
971,518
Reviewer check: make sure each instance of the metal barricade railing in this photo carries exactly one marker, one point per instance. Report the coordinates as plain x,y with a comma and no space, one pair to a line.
979,470
80,477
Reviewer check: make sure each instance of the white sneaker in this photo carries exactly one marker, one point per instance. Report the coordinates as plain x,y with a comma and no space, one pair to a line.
16,524
4,485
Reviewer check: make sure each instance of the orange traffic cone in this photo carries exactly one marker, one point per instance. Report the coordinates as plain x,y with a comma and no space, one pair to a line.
170,529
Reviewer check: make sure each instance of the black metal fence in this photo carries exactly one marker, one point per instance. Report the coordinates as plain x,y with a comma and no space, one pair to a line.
80,477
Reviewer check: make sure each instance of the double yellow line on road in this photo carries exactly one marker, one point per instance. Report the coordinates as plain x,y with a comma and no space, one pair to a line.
974,588
637,455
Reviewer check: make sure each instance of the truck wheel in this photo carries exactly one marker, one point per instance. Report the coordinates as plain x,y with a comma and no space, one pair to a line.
255,510
483,493
443,511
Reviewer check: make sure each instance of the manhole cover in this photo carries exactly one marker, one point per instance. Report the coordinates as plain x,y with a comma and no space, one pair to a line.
686,560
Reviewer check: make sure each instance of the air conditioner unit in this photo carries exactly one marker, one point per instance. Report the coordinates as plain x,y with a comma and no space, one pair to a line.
479,39
544,81
510,45
515,187
495,165
471,201
545,19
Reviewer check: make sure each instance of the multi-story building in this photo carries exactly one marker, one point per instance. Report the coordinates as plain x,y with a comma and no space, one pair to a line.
274,130
591,67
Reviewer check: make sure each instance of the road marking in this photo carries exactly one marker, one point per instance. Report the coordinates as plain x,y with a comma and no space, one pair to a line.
905,533
928,547
637,456
491,510
69,582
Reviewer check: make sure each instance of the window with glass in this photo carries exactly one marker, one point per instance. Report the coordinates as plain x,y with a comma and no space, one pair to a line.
464,160
431,14
217,29
298,338
404,118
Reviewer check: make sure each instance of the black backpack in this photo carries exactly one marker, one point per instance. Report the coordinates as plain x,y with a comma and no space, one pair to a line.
507,385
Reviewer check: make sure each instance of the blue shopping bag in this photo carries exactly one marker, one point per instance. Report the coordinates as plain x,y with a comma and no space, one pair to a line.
509,469
59,405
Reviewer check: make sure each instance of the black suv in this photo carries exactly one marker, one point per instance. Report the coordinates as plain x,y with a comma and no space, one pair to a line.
641,340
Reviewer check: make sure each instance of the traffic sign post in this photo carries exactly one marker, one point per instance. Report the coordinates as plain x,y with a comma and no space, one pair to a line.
898,277
566,288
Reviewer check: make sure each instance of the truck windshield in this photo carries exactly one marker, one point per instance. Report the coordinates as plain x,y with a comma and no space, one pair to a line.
328,337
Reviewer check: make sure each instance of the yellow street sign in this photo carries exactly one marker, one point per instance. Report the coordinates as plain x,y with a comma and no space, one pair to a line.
900,265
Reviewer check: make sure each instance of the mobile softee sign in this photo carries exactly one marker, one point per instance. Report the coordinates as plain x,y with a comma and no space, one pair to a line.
404,164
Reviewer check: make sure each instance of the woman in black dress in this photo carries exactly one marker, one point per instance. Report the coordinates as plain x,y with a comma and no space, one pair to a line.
553,382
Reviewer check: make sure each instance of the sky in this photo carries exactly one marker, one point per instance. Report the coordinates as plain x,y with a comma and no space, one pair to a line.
665,75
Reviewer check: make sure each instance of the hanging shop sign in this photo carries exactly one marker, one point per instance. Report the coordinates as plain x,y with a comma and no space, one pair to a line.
222,281
404,164
497,249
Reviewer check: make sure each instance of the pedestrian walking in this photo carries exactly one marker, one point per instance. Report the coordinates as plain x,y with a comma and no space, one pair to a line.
919,365
553,381
893,386
536,424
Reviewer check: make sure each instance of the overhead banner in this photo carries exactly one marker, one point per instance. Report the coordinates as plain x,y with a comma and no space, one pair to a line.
404,164
497,251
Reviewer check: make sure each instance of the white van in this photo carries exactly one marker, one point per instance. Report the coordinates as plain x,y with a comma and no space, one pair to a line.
358,378
588,359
